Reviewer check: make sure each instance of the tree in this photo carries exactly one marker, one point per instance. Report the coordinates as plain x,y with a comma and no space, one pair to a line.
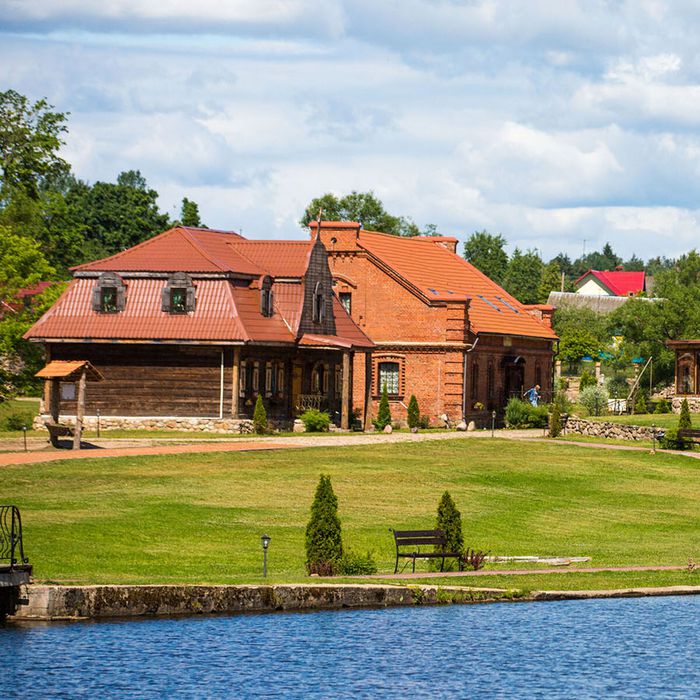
523,276
365,208
555,421
324,545
30,138
486,252
577,344
684,422
189,213
550,281
634,264
597,260
260,416
413,412
22,263
449,520
384,414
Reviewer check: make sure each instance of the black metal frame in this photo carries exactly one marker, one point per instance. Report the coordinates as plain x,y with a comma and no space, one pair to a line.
11,545
418,538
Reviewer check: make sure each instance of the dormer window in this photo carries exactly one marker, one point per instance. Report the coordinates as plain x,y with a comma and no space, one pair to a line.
266,308
319,310
109,294
178,295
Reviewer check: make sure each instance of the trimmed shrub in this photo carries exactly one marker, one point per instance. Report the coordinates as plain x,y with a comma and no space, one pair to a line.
260,416
16,420
413,417
384,414
517,413
324,545
315,421
673,441
662,406
539,416
449,520
424,422
355,564
587,379
640,405
594,399
684,422
555,421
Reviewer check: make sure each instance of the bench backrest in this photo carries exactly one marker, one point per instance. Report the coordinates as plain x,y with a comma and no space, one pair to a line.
689,432
419,537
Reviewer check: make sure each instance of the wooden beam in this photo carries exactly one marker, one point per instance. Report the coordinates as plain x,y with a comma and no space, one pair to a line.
368,391
235,376
54,396
346,399
80,410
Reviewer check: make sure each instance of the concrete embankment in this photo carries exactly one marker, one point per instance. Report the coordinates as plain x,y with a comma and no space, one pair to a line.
94,602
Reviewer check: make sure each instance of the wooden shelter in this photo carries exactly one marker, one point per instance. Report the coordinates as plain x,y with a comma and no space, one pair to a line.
70,372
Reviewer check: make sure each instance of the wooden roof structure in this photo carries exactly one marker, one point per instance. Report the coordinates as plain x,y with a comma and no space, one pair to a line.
69,371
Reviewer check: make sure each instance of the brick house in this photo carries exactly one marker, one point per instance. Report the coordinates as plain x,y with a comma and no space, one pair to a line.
442,329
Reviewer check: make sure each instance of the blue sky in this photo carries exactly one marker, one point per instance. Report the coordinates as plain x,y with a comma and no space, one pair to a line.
549,122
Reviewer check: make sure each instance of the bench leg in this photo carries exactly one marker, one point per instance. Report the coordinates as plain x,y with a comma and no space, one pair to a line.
442,565
396,568
414,565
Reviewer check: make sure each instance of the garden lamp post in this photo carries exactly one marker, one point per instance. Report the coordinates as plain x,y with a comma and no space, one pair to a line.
265,539
493,422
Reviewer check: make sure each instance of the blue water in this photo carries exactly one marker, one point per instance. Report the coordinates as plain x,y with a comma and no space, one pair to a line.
632,648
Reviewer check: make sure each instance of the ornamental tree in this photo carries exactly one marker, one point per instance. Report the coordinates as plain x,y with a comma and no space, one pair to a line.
324,545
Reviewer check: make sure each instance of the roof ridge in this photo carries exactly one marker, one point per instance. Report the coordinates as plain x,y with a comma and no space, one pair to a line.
198,247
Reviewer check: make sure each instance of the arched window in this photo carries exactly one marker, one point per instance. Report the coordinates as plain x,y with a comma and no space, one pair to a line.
266,296
538,375
178,295
475,380
490,382
109,294
319,310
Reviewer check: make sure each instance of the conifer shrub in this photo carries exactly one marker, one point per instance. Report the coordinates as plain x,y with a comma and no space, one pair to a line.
555,421
315,421
449,520
260,417
640,405
684,422
413,417
587,379
384,414
324,546
662,406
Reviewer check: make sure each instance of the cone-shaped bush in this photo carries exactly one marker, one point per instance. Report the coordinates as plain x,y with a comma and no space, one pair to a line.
640,405
449,520
260,417
384,414
684,422
413,416
324,545
555,421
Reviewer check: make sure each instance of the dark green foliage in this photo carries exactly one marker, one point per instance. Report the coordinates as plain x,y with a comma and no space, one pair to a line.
673,441
640,405
486,252
522,414
587,379
449,520
189,213
315,421
684,422
594,399
424,422
555,421
324,546
16,420
355,564
260,417
662,406
413,413
618,387
550,282
523,276
384,414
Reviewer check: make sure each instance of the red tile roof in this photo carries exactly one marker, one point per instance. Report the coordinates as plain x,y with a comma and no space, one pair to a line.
441,275
619,282
276,258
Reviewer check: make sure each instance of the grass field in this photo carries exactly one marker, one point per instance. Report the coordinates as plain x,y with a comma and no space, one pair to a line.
198,518
661,420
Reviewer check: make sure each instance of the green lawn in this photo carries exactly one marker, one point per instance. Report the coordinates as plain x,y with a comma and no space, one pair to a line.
198,518
661,420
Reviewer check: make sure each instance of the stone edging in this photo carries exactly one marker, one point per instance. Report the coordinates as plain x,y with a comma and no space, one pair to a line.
93,602
604,429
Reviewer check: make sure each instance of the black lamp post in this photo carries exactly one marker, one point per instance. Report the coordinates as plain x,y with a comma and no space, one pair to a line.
265,539
493,422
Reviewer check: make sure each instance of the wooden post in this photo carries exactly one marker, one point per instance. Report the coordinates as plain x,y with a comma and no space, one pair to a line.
54,395
345,405
236,378
80,410
368,391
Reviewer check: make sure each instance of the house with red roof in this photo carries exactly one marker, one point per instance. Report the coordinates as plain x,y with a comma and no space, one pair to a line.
188,328
616,283
442,329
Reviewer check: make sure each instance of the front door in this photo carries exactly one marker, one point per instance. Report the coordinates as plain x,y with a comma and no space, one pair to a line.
514,381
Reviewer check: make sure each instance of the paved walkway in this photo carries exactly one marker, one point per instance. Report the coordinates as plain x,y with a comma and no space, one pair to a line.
126,447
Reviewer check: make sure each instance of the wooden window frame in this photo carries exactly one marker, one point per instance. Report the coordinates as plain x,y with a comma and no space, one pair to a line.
179,281
112,282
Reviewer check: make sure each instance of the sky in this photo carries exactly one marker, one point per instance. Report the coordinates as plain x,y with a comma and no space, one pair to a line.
560,124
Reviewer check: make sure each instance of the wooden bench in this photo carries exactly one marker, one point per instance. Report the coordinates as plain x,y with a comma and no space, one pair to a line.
690,434
57,430
415,539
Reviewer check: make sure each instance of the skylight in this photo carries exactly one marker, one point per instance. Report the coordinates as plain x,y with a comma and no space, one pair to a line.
505,303
490,303
434,291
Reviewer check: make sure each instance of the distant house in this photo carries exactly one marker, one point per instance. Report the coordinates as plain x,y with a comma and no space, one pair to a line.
687,376
24,298
616,283
442,329
188,328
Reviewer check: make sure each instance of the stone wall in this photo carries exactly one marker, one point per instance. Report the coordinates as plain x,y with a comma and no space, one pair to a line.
693,403
604,429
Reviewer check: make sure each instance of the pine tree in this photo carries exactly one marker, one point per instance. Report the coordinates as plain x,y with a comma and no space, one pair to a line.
684,422
260,417
640,405
384,415
449,520
324,546
555,420
413,416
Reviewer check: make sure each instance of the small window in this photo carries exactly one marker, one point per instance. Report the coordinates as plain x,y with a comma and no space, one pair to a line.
389,377
178,304
256,376
109,294
280,380
108,300
319,310
67,392
317,379
346,301
178,295
490,382
268,379
266,297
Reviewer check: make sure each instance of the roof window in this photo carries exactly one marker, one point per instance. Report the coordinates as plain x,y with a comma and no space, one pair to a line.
319,308
266,307
178,295
490,303
508,304
109,294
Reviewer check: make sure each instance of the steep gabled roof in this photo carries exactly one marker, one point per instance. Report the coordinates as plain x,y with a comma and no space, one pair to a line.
275,258
618,282
441,275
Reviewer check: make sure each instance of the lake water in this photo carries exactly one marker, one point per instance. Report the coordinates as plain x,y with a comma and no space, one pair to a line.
625,648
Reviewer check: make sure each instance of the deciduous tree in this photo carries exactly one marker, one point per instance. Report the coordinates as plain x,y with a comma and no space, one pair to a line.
486,252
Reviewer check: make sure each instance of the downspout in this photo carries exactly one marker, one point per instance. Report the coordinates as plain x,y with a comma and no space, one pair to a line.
464,378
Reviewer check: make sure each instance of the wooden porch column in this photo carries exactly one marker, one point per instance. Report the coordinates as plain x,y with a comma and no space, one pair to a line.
368,391
80,410
54,394
346,400
235,378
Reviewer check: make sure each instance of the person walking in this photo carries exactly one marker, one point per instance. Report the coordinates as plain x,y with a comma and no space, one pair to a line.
533,395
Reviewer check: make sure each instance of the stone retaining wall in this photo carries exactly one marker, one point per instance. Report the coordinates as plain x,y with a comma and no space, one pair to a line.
693,403
604,429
